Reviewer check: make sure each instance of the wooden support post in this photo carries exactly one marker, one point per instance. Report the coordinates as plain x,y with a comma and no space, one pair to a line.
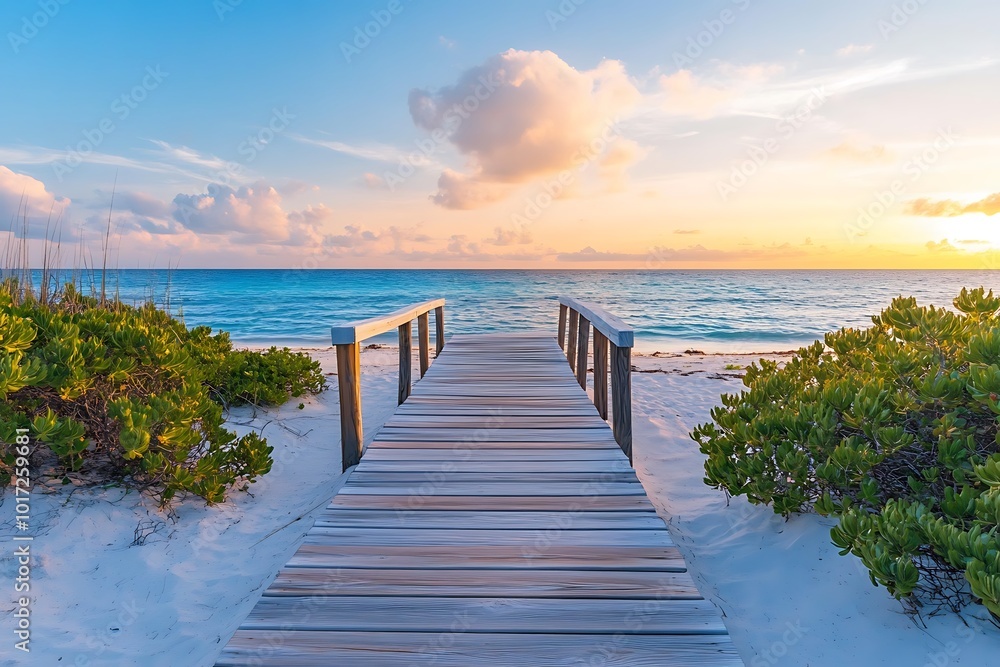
438,330
563,315
349,387
621,397
405,359
424,342
574,323
583,339
601,374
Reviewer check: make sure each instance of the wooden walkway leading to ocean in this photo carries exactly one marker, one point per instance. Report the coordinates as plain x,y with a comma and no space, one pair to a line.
494,520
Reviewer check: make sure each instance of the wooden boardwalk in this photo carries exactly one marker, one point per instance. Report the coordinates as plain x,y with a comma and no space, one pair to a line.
493,521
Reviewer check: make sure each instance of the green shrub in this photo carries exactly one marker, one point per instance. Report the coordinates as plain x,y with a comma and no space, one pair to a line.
125,394
893,430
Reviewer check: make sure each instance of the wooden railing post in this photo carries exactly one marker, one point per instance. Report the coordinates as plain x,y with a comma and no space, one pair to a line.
583,339
349,387
424,342
563,315
438,330
405,359
621,397
574,323
348,338
601,373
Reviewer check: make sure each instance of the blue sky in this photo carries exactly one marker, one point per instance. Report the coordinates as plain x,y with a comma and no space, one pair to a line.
202,79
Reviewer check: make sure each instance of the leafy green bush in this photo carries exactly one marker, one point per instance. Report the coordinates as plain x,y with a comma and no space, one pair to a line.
126,394
893,430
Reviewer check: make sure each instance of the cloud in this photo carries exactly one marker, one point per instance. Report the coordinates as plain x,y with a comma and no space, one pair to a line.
854,49
373,181
687,231
21,195
505,237
374,152
949,208
687,96
190,156
849,151
942,246
658,256
446,43
252,213
767,90
519,117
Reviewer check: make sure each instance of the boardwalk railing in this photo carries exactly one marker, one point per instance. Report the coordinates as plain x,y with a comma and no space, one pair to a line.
348,338
609,331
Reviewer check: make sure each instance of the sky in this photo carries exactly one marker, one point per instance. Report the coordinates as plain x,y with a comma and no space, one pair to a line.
523,134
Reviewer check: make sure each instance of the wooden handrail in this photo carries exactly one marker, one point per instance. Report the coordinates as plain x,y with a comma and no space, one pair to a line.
611,332
348,338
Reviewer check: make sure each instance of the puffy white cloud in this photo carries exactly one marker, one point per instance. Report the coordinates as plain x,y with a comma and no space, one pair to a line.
518,117
253,213
854,49
21,194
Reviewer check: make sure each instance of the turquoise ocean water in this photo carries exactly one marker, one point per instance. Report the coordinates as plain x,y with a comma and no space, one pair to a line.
714,311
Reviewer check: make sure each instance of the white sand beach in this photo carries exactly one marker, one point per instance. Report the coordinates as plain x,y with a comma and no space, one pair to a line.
118,582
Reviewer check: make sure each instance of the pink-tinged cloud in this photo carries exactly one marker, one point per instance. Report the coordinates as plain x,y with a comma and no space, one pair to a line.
252,213
949,208
519,117
848,151
22,195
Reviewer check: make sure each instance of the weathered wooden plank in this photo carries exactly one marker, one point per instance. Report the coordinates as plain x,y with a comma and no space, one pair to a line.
356,332
563,317
538,539
500,558
601,374
574,325
581,351
496,489
520,615
349,390
433,469
499,420
475,649
612,326
484,502
439,329
424,343
367,477
621,397
495,520
570,437
628,585
473,451
405,360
